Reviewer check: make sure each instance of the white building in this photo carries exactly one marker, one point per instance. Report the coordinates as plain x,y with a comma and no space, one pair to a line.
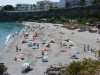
46,7
24,7
34,7
88,2
44,2
40,6
54,4
43,5
74,3
1,7
62,3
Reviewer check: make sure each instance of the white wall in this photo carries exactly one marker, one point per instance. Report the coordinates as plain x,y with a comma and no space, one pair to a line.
24,7
1,7
62,3
54,4
88,2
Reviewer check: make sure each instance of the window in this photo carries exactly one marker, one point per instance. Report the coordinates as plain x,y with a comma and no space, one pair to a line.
18,5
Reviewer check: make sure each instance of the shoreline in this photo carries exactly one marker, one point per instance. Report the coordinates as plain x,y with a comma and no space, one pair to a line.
55,55
10,40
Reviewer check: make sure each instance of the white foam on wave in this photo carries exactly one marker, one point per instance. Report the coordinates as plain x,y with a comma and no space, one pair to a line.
7,38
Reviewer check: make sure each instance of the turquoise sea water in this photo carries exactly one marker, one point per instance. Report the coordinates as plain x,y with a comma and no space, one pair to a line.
6,29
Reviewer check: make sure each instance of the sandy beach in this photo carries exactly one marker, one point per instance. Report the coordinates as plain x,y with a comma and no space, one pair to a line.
55,55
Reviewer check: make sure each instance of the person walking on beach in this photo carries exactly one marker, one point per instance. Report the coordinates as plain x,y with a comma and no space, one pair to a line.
42,53
61,44
97,40
84,47
38,46
17,48
88,47
91,50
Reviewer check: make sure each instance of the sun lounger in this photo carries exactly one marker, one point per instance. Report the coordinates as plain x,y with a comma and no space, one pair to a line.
45,58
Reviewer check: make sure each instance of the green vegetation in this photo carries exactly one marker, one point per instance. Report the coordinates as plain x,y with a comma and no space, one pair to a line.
8,8
91,20
98,53
3,69
95,1
89,14
84,67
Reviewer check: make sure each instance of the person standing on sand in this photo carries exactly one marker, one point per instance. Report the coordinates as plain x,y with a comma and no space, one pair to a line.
42,53
97,40
91,50
38,46
88,47
84,47
15,59
17,48
61,44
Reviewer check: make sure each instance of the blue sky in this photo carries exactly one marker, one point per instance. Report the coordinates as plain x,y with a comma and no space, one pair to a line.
13,2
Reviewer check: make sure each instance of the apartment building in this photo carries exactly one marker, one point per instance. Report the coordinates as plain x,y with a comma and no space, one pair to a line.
44,2
62,3
46,5
54,5
24,7
88,2
40,6
1,7
43,5
74,3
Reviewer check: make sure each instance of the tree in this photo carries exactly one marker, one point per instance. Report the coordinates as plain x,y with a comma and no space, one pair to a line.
95,1
99,16
98,53
67,5
3,68
92,20
84,67
52,19
36,17
62,19
8,8
82,2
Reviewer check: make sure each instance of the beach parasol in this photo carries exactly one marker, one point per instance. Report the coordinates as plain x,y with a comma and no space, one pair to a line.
30,63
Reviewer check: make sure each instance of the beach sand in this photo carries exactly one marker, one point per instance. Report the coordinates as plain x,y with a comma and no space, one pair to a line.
55,56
